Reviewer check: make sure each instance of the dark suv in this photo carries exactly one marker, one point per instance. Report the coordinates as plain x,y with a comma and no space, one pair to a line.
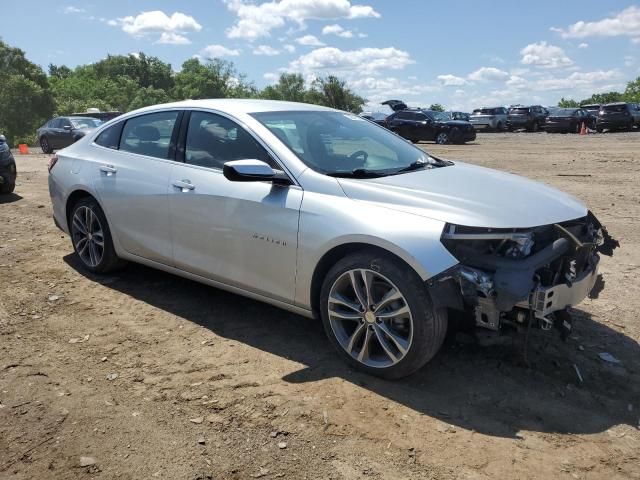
618,116
530,118
7,167
418,124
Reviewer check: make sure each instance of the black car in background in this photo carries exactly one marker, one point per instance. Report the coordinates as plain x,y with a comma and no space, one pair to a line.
568,120
593,109
375,117
7,167
618,116
418,124
530,118
60,132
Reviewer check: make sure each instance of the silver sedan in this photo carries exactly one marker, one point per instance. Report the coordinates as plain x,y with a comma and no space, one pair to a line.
326,214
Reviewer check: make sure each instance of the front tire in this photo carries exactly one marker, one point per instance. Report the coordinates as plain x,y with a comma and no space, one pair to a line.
379,316
91,237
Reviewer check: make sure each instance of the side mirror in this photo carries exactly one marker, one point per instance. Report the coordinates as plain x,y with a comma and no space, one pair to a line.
253,171
68,127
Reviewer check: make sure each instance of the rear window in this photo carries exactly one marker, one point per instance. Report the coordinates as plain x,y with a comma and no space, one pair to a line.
523,110
615,108
486,111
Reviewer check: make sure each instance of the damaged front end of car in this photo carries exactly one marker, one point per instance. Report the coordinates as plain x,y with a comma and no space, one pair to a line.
519,278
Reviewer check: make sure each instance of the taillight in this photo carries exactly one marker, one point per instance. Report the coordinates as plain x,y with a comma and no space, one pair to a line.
52,162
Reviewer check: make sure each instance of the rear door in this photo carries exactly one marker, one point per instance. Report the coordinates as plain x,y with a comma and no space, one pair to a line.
241,234
133,182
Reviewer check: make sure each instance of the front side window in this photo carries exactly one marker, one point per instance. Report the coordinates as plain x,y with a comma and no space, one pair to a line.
213,140
342,144
81,123
149,134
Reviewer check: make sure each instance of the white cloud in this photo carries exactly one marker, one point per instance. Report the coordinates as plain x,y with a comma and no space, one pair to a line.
350,63
217,51
578,80
487,74
271,77
171,38
583,45
154,22
309,41
257,20
625,23
451,80
377,90
266,50
516,81
71,9
336,29
289,48
543,54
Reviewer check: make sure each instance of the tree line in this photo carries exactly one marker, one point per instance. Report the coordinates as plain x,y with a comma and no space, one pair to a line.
29,96
631,94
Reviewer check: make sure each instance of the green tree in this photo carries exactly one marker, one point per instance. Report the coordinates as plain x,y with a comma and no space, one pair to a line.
145,71
214,79
333,92
601,98
290,87
568,103
25,98
632,92
149,96
436,107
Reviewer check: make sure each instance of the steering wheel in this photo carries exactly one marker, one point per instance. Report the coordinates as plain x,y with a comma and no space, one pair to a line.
359,153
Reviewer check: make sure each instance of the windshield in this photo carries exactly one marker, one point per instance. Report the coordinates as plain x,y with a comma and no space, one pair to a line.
519,111
85,122
342,144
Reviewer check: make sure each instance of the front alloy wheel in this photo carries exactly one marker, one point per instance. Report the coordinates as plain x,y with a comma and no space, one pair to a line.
378,314
370,318
442,138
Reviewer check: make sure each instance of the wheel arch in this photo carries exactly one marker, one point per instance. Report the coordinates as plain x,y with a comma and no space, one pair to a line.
337,253
73,198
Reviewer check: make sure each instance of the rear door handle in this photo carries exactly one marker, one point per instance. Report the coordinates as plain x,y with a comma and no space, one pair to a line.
108,169
184,185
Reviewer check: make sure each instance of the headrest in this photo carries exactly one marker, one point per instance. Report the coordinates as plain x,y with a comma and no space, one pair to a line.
147,133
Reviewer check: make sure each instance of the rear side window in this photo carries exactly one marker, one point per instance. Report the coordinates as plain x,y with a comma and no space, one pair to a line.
213,140
615,108
404,116
149,134
110,138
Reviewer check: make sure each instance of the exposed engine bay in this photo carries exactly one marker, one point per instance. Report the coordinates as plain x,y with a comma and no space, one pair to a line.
520,277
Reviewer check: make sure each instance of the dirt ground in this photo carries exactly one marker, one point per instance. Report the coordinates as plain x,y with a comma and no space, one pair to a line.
153,376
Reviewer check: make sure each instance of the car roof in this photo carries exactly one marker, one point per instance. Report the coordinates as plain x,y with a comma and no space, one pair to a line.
240,105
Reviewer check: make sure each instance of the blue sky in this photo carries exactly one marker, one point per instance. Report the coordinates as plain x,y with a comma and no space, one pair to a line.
462,54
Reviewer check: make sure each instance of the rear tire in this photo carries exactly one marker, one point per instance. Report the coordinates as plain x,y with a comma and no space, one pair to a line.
499,127
442,138
91,237
6,188
398,332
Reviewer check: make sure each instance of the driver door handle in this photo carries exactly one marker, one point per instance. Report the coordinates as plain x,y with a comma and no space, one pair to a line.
108,169
184,185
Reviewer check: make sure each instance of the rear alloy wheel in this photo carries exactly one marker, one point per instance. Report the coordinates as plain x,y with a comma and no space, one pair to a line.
45,145
91,237
442,138
379,316
578,128
535,127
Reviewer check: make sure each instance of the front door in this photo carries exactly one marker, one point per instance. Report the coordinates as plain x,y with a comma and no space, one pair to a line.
241,234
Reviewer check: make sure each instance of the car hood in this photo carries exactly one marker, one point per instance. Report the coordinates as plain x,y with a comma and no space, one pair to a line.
468,195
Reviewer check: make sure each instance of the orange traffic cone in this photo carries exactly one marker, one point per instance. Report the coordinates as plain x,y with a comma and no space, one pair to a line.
23,148
583,129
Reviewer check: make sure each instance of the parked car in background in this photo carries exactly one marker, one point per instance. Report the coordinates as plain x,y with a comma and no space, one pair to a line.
458,116
419,125
375,117
593,108
7,167
95,113
530,118
494,118
568,120
618,116
60,132
325,214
